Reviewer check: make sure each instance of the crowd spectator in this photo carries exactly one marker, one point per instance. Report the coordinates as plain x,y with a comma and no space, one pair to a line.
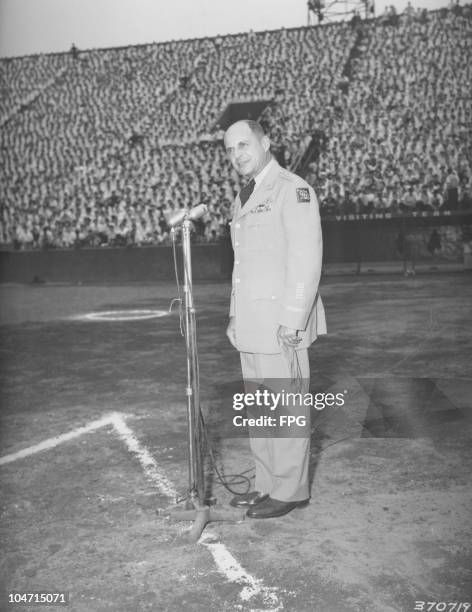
402,140
100,147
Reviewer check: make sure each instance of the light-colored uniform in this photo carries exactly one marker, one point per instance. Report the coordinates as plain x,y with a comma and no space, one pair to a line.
277,246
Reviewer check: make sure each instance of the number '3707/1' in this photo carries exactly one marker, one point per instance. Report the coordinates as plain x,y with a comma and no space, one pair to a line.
442,606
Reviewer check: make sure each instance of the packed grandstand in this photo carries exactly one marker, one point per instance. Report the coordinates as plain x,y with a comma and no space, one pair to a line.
99,147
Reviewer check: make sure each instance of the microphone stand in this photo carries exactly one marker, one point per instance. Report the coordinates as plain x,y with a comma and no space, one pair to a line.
195,507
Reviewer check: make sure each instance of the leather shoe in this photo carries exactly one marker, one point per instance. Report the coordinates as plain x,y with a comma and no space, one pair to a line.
270,508
248,499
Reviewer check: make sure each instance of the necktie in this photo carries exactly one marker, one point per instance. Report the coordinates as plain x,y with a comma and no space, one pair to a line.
246,191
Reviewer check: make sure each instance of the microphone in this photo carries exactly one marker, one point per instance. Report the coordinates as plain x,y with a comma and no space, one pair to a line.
192,215
197,211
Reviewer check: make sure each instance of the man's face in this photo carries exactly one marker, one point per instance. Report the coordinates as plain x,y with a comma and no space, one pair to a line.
247,153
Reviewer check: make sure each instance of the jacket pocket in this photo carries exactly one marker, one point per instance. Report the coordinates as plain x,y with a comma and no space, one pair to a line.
258,236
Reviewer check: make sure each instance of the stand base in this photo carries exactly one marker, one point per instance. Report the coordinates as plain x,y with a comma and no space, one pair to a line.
201,514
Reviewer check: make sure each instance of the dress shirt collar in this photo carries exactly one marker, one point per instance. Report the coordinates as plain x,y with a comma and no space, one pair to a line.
263,173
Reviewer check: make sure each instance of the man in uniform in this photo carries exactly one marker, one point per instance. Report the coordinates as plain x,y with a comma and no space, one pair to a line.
275,310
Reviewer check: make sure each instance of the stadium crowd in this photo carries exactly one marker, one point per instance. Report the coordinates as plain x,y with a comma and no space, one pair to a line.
100,147
400,137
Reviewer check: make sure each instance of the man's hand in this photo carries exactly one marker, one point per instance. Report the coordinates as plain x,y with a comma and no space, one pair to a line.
231,331
287,337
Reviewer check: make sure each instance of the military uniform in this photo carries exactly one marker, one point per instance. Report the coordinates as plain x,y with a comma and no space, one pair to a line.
277,246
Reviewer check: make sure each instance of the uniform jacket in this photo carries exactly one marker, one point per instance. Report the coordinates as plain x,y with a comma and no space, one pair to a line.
277,246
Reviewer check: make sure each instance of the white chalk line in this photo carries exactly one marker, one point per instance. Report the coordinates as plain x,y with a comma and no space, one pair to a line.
147,461
224,560
56,440
120,426
234,572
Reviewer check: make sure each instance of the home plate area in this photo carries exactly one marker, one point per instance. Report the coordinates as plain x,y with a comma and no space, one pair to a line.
94,444
83,514
107,493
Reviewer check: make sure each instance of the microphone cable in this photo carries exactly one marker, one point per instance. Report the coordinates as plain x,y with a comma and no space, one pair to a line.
177,280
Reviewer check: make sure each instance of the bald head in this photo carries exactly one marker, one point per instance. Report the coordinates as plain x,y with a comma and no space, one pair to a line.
247,146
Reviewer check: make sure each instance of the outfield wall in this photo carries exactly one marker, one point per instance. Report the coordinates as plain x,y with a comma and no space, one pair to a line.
104,265
345,240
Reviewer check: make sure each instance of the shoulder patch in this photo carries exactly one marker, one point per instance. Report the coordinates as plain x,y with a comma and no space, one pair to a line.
303,195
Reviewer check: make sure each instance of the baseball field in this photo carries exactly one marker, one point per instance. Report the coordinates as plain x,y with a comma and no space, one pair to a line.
93,445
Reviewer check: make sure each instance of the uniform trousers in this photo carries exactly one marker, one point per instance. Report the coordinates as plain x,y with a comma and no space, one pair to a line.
281,462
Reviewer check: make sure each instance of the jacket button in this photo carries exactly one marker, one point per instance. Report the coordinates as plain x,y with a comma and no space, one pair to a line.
238,280
236,244
236,263
237,226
